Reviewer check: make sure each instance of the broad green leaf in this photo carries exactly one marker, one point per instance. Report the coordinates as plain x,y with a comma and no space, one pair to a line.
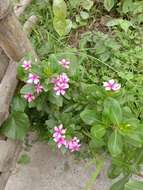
119,185
40,103
16,126
98,131
139,18
22,75
50,123
28,88
114,22
89,116
108,4
134,185
96,143
127,6
24,159
124,24
84,15
59,9
68,26
57,100
134,139
18,104
87,4
115,144
74,4
62,26
114,171
129,126
112,111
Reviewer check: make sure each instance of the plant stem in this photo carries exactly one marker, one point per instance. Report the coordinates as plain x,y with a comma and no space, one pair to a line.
94,176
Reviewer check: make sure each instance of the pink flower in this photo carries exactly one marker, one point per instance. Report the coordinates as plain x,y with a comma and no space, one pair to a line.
38,88
60,141
65,63
59,131
61,90
59,135
60,84
26,65
29,97
32,78
111,85
74,145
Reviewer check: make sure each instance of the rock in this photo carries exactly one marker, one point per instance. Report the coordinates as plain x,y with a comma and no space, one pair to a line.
9,151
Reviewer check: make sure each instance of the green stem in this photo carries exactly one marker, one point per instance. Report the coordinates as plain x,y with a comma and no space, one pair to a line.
94,176
139,157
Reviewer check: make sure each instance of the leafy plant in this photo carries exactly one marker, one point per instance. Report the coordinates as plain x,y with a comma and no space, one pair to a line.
97,118
108,4
134,185
17,125
103,119
61,24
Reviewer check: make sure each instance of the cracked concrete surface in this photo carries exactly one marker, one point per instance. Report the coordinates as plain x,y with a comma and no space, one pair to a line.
50,170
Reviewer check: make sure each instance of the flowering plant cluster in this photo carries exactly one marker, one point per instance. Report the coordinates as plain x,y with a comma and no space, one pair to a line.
68,108
61,84
59,138
32,79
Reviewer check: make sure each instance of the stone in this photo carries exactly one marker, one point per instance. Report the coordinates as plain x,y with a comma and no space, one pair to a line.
8,156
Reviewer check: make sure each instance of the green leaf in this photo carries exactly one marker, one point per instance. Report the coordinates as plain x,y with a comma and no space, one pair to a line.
114,171
124,24
127,4
119,185
89,116
84,15
18,104
62,26
108,4
114,22
16,126
134,139
96,143
59,9
68,26
50,123
57,100
74,4
87,4
40,103
115,144
24,159
112,111
134,185
21,74
98,131
28,88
